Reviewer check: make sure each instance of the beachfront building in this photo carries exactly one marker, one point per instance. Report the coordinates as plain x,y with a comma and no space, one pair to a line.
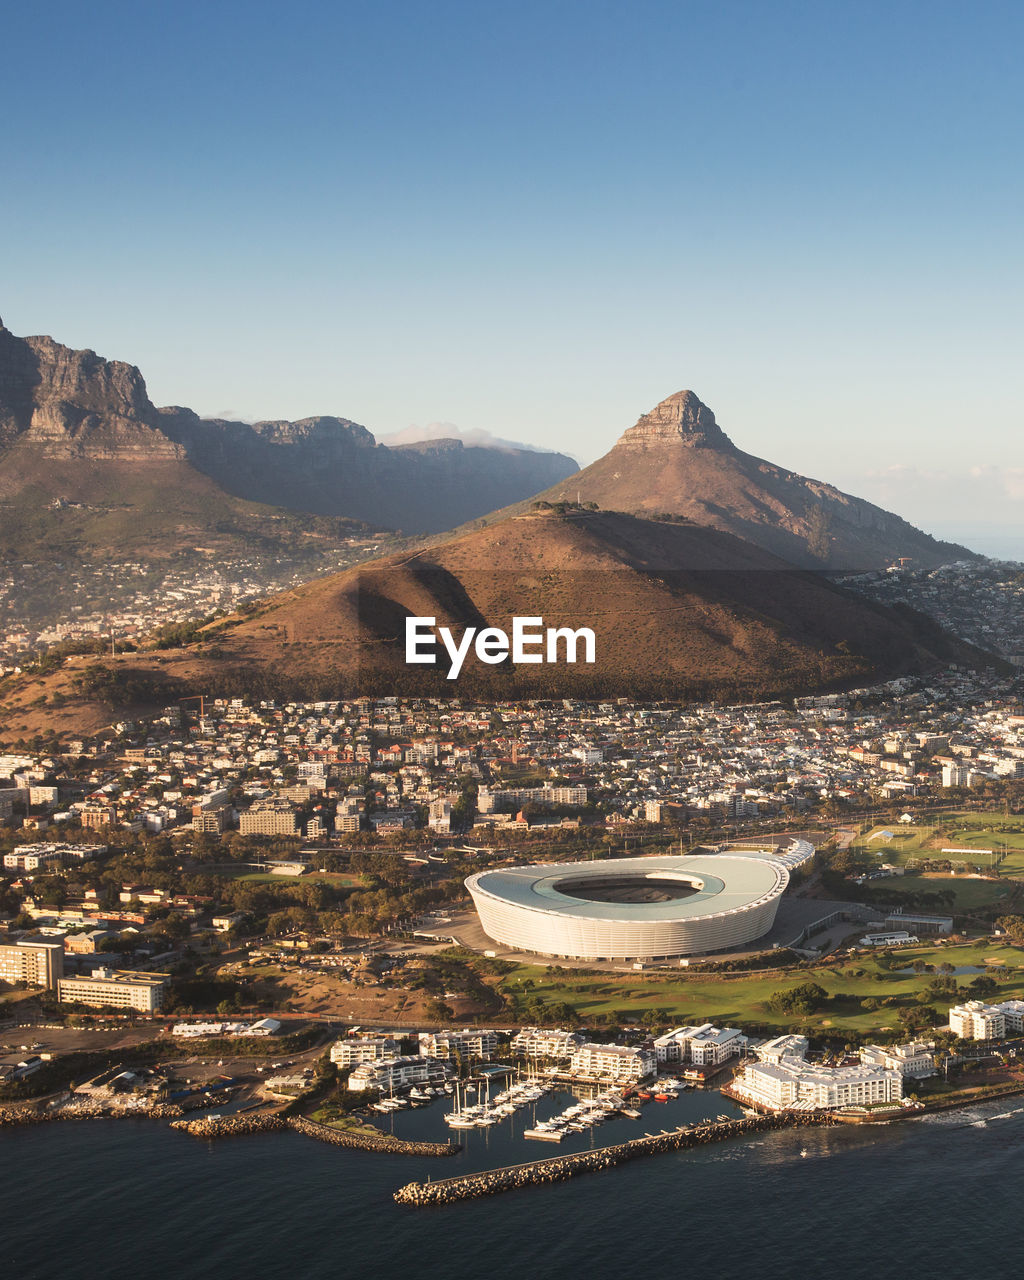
976,1020
38,964
612,1063
390,1074
351,1052
541,1042
458,1044
118,988
793,1084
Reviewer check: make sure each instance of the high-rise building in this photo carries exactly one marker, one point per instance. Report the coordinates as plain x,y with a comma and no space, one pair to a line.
40,964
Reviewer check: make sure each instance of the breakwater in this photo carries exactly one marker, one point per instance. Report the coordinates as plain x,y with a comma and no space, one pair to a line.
230,1126
559,1168
370,1141
27,1114
364,1140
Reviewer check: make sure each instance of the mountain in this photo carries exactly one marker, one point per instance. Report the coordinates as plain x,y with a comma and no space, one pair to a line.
86,470
678,611
87,462
677,460
335,467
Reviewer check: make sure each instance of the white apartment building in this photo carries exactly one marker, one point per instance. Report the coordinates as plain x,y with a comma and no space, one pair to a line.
1013,1012
40,964
786,1046
440,816
466,1044
119,988
705,1045
269,818
488,801
612,1063
913,1060
28,859
976,1020
539,1042
792,1084
390,1074
352,1052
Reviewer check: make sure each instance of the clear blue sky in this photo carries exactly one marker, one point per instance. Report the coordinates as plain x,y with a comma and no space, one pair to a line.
541,218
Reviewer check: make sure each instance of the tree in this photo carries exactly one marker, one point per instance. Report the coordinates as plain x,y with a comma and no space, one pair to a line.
806,998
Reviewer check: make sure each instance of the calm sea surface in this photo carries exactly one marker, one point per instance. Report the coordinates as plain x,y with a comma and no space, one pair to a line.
129,1200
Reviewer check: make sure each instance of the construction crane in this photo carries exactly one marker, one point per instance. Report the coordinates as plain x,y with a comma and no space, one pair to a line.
196,697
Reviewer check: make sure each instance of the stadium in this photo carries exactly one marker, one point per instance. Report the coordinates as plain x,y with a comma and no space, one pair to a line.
649,908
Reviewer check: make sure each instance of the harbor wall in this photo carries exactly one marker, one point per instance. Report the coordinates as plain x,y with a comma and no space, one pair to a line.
559,1168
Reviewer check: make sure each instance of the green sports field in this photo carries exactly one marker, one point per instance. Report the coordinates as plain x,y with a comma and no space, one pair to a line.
997,838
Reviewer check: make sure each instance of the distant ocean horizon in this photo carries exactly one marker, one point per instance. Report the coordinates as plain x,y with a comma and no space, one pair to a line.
999,543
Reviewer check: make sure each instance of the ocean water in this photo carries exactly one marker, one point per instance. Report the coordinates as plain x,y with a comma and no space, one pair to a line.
127,1199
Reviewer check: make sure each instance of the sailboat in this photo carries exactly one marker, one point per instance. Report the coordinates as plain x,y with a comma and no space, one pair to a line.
462,1117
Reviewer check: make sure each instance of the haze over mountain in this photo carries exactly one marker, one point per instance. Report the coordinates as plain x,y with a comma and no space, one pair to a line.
678,611
333,466
678,460
414,434
84,454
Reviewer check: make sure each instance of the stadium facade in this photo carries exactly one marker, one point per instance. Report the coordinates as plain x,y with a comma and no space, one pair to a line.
648,908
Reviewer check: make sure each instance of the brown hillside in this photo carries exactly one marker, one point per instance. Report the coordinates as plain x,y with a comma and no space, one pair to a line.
678,612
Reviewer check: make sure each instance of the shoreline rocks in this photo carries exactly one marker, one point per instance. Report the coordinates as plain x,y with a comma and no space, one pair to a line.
236,1125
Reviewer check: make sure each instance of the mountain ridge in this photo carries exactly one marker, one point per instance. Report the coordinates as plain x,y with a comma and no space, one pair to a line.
677,460
72,406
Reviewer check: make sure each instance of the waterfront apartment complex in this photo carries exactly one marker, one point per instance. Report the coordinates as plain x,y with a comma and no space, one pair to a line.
539,1042
612,1063
119,988
464,1044
40,964
398,1073
351,1052
705,1045
782,1080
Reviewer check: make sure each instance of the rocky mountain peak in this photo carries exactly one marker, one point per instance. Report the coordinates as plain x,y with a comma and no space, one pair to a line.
678,419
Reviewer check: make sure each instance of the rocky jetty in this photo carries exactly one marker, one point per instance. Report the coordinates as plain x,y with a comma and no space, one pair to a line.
370,1141
559,1168
231,1126
236,1125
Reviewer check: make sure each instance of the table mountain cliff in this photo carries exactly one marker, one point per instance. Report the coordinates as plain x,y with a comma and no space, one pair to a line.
80,431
